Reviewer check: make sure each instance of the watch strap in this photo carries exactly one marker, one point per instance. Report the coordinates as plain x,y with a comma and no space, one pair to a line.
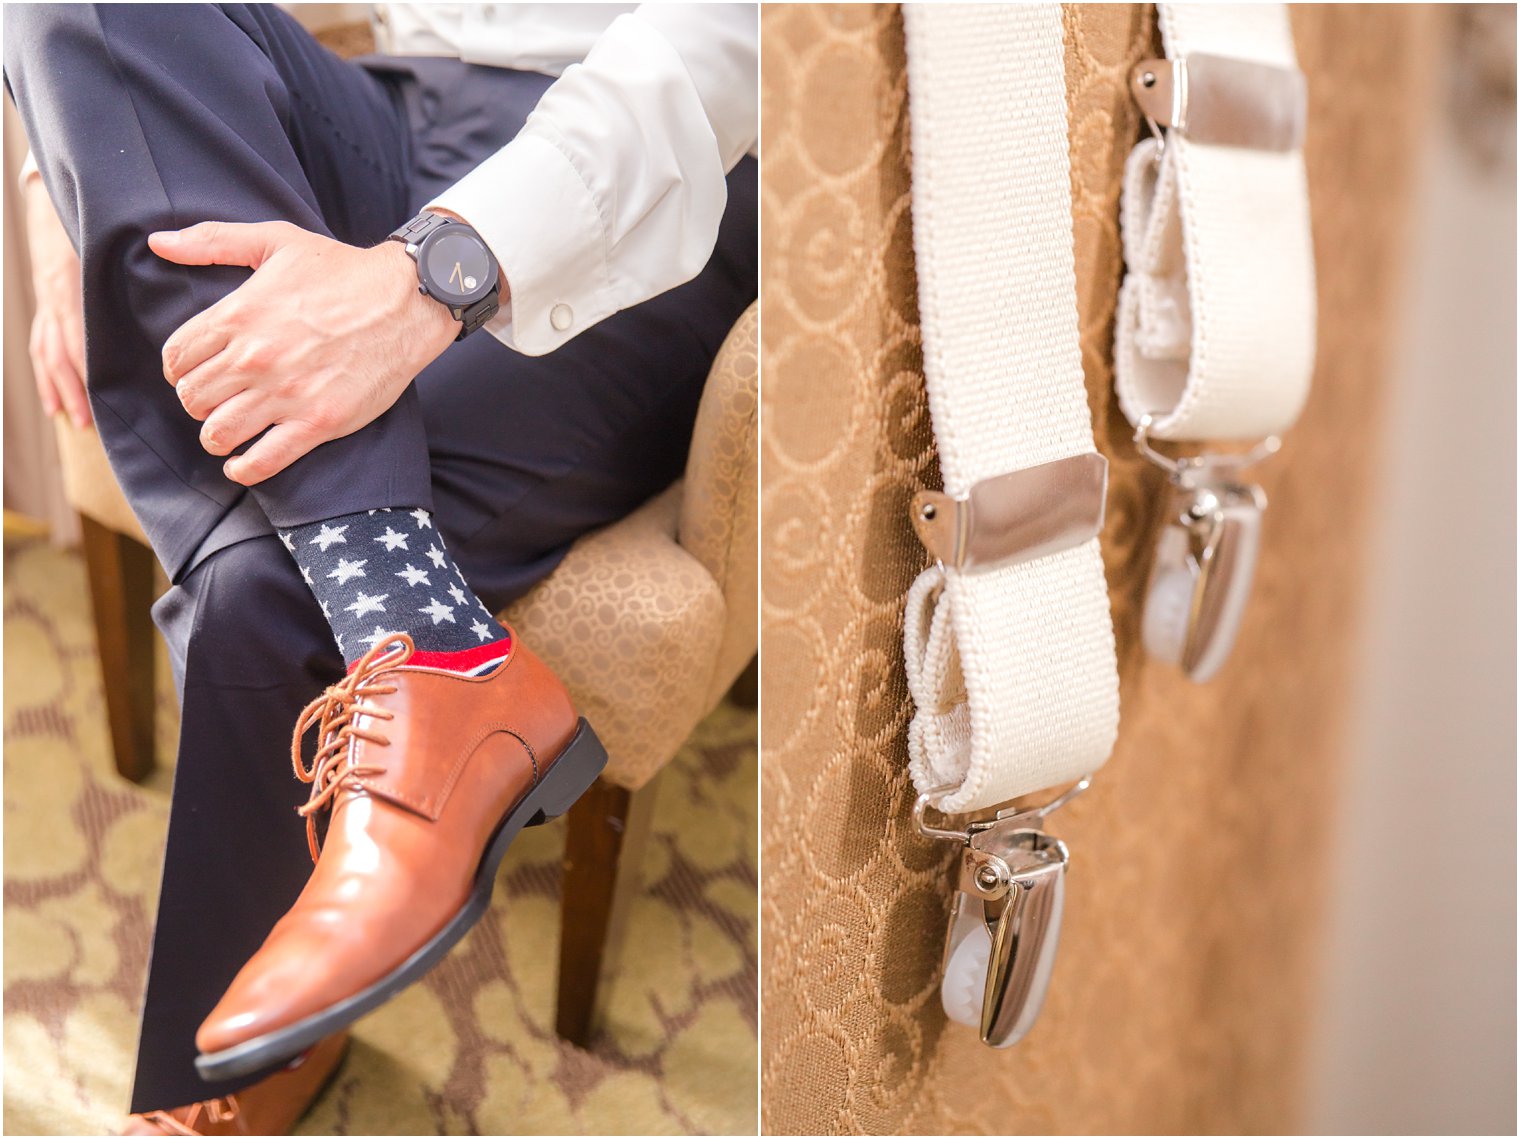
419,227
478,313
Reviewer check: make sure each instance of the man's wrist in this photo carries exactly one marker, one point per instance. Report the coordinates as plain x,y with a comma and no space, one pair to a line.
432,317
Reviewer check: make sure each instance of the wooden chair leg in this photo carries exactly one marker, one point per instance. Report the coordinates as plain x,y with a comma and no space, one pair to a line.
120,570
745,691
604,846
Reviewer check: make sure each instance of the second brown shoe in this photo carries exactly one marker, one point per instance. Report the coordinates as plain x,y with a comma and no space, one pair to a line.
428,776
270,1107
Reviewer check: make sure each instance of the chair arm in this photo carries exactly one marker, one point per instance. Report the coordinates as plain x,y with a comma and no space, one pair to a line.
718,512
89,484
631,622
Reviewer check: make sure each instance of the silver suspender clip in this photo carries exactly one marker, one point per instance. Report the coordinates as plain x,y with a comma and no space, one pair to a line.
1006,920
1220,101
1015,517
1011,884
1205,558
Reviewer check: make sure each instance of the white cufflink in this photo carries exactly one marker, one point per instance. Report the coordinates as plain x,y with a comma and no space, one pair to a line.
560,316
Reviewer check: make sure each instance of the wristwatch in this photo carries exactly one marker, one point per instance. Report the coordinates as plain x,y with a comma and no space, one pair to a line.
454,267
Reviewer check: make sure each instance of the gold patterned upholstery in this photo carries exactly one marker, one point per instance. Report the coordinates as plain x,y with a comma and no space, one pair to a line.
88,483
1182,993
648,620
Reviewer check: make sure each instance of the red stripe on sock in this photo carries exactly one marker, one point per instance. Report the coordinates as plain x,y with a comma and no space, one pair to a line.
462,661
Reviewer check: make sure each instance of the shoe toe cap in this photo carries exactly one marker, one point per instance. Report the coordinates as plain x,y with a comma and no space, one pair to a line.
285,982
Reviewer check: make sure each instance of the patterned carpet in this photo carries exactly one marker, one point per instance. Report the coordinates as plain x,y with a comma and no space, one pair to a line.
472,1049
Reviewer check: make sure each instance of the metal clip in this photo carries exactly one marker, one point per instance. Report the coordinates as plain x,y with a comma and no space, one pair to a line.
1217,100
1205,557
1006,921
1015,517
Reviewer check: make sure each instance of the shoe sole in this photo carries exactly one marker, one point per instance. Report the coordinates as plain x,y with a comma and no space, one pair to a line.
568,779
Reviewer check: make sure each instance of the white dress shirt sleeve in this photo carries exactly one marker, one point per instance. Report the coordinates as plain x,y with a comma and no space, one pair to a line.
613,191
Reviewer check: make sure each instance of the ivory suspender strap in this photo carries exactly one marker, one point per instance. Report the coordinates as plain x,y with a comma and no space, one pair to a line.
1215,325
1012,666
1214,334
1008,639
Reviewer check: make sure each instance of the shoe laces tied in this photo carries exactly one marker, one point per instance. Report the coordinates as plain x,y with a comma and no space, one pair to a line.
222,1110
335,715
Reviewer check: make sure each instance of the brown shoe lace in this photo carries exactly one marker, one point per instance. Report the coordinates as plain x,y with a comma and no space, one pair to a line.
216,1111
334,713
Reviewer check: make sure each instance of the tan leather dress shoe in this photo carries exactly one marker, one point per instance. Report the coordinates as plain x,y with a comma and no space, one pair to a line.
429,775
269,1107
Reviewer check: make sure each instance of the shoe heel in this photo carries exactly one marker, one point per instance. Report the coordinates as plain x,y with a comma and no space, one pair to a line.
570,775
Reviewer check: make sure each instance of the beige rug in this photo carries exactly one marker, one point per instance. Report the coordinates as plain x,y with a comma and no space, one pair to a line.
470,1050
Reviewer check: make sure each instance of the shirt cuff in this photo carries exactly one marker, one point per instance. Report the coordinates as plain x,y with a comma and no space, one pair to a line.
556,274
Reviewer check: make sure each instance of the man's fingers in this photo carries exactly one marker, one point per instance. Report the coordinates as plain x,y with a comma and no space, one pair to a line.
204,388
222,242
71,390
196,341
282,445
72,332
42,372
67,384
235,421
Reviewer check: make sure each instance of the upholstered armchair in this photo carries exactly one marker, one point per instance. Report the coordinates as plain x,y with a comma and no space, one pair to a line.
649,621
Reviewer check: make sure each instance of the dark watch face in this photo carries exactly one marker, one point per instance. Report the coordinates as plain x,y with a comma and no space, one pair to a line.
456,266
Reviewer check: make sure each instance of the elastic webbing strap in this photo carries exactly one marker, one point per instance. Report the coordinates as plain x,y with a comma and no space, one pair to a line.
1012,670
1214,332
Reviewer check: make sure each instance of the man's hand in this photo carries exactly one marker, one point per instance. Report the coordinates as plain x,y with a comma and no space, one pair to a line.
57,340
320,341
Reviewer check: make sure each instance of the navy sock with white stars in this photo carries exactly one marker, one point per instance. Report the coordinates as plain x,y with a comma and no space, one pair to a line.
386,571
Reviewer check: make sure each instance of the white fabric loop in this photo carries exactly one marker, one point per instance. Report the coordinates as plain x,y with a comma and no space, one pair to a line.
1215,326
1012,670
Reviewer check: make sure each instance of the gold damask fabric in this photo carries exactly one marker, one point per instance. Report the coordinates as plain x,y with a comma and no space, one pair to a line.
1181,998
649,620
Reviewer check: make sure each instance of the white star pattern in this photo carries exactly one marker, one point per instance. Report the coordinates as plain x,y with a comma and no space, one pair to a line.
343,559
376,637
438,611
364,603
348,570
329,535
392,540
413,575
